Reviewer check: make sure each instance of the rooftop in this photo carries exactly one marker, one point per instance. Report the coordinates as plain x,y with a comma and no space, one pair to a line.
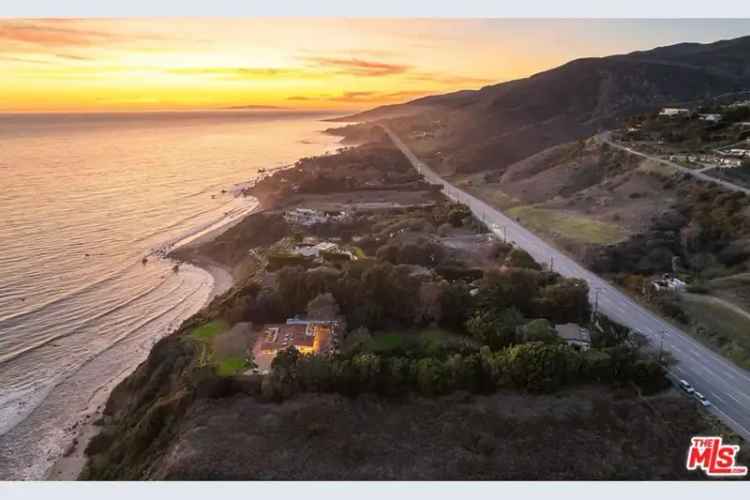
572,332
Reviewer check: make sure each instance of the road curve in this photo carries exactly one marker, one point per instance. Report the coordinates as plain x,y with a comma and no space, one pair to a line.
698,174
722,382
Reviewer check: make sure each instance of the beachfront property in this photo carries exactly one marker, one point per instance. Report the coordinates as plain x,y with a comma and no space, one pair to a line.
307,336
673,112
574,335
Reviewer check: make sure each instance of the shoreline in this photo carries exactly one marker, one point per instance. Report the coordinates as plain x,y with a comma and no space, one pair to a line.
71,463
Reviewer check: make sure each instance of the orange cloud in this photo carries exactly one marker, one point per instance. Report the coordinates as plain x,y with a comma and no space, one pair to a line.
360,67
49,33
222,72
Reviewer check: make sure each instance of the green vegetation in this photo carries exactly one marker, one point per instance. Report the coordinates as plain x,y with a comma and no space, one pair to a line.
358,252
658,168
720,327
207,331
408,342
207,336
569,226
231,366
533,367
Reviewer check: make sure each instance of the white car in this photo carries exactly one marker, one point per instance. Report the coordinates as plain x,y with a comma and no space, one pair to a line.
685,386
702,399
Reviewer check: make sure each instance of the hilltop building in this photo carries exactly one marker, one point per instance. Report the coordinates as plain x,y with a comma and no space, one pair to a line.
674,112
710,117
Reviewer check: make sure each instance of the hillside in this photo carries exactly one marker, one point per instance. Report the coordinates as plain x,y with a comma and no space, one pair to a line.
504,123
447,364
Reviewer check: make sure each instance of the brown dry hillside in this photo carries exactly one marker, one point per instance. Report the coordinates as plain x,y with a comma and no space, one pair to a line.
579,193
584,434
501,124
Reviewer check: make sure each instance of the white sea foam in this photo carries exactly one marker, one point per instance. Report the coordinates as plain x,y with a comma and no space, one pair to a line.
84,199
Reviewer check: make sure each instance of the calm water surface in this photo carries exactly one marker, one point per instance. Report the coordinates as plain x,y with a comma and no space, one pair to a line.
83,198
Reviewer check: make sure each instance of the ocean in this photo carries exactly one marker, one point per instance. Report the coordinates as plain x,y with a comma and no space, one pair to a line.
83,199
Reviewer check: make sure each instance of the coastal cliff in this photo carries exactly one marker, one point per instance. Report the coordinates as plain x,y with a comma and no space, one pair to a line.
429,382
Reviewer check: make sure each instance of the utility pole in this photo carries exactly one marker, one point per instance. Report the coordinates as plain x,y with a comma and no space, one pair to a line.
551,262
595,312
661,345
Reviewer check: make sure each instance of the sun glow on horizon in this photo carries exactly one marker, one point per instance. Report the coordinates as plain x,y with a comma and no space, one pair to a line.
336,64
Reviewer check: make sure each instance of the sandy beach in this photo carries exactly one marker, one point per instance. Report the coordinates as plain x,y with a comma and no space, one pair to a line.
69,466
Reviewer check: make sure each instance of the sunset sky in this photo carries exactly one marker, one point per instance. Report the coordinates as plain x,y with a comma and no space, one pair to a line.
150,64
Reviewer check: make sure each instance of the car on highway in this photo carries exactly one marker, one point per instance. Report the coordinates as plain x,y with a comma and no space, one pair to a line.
702,399
685,386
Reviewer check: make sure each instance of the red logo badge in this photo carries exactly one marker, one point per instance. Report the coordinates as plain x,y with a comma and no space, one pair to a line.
714,457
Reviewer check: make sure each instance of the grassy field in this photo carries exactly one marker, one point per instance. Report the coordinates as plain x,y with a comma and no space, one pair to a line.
657,168
205,335
735,289
491,194
720,327
573,227
231,366
208,331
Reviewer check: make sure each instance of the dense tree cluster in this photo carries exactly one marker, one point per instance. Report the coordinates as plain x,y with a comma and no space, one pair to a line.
707,229
533,367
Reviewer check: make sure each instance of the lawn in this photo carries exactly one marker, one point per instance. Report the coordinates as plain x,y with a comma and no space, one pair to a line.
204,335
231,366
723,329
209,330
386,342
574,227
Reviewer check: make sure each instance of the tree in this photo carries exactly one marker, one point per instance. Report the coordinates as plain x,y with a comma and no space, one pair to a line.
455,305
431,376
284,372
457,214
539,330
566,301
495,328
323,308
540,367
367,368
429,309
521,258
250,363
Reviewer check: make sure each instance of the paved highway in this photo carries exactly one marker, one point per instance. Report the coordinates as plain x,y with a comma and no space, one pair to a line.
720,381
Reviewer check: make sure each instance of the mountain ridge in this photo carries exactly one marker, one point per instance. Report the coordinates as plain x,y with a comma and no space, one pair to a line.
503,123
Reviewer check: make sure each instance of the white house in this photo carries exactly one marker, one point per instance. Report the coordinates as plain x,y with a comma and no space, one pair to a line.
710,117
309,217
668,282
314,250
673,111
